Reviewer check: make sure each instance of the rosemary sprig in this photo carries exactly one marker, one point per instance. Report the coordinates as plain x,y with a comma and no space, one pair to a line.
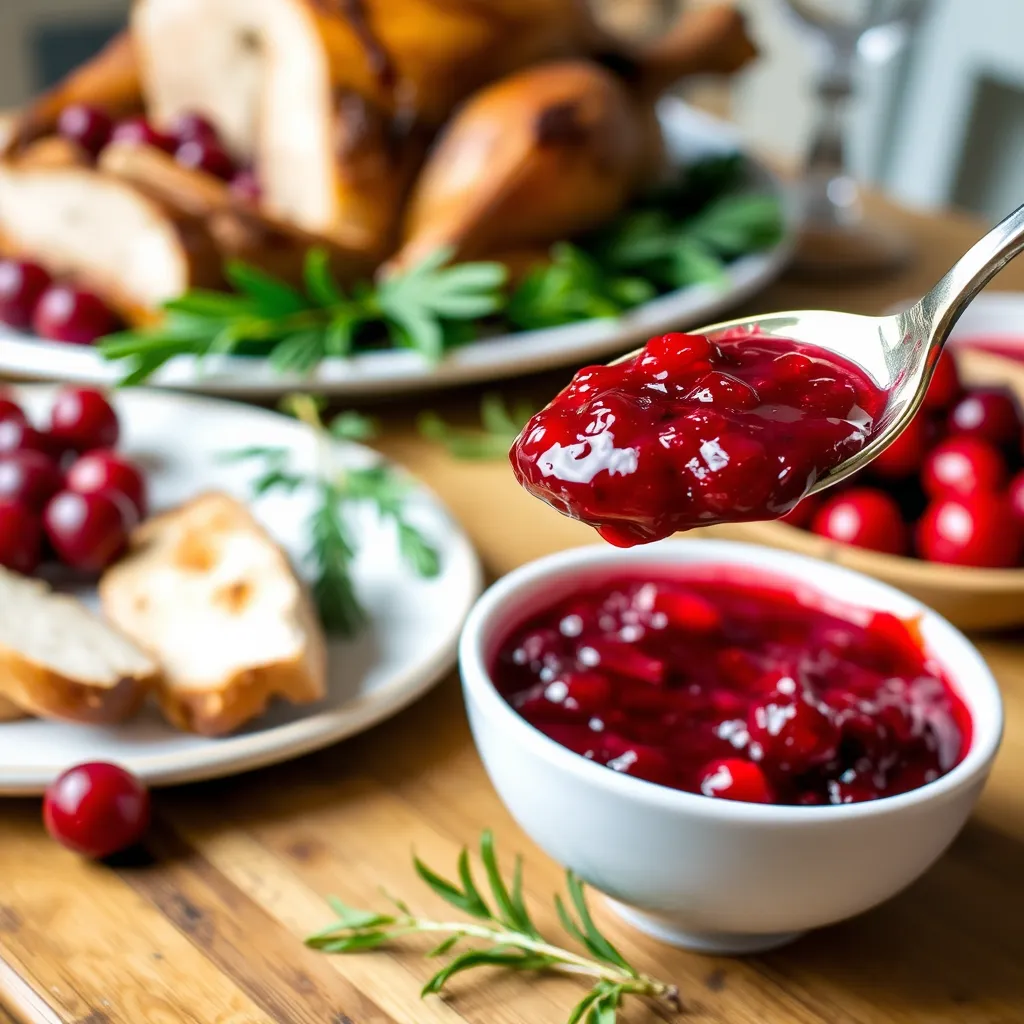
333,545
511,939
499,427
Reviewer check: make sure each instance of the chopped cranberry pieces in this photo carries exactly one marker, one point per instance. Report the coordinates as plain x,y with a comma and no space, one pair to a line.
693,432
774,701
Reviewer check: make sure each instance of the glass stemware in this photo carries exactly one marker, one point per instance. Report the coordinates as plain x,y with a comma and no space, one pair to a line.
838,238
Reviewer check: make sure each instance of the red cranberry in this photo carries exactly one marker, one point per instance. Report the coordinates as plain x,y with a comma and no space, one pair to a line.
903,457
979,530
688,610
791,731
21,536
82,418
73,315
865,518
675,355
96,809
137,131
210,157
87,126
17,435
105,470
637,759
193,127
28,476
963,465
88,531
21,286
944,387
245,187
801,514
734,779
989,414
1015,494
10,410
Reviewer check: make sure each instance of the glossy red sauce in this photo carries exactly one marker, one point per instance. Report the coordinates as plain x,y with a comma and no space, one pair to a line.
735,687
693,432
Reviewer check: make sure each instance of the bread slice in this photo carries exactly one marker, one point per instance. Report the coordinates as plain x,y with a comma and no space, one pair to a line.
59,660
10,712
214,599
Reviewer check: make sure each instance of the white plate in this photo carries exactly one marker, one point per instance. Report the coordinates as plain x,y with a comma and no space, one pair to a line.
690,135
409,644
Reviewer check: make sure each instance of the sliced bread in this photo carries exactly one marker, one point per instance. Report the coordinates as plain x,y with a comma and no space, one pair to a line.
59,660
215,601
10,712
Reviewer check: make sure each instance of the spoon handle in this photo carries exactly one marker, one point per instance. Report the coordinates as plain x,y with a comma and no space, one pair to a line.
941,307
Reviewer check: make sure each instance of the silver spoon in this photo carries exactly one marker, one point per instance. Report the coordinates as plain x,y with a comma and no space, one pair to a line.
899,352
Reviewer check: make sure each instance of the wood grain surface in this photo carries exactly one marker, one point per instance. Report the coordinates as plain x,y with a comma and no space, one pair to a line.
205,926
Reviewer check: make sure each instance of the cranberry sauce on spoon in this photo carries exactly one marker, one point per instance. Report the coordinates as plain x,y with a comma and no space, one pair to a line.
734,685
692,432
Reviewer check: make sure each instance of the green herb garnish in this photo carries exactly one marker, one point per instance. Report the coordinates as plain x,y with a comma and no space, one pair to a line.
499,427
683,234
333,544
511,939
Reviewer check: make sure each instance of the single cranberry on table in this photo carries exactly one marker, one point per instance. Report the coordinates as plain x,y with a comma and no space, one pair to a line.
88,531
864,517
29,476
990,414
782,702
85,125
105,470
980,530
733,779
207,156
964,466
73,315
21,536
137,131
96,809
944,388
82,419
693,432
905,454
22,284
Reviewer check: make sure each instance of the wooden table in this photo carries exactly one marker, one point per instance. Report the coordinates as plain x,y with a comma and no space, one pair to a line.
208,929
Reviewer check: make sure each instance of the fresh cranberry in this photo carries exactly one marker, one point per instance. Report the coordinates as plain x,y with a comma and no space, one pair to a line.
245,187
987,413
29,476
734,779
190,127
21,536
964,466
904,455
137,131
73,315
21,286
10,410
210,157
96,809
944,388
88,127
865,518
88,531
18,435
105,470
693,432
979,530
82,419
1015,494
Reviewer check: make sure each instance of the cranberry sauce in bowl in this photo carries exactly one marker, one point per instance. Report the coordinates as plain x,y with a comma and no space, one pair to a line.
718,681
692,432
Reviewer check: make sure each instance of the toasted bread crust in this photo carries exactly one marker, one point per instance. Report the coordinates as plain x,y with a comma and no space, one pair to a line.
10,712
48,694
216,711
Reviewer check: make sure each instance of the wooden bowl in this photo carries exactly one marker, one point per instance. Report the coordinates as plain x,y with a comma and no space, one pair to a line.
970,598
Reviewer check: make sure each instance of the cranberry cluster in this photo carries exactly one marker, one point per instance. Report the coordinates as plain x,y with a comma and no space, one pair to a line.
693,432
949,489
65,493
735,689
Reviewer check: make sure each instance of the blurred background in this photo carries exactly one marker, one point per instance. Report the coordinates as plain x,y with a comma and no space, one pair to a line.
938,119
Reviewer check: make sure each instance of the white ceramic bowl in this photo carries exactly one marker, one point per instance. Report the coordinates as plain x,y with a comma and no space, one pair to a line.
718,875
